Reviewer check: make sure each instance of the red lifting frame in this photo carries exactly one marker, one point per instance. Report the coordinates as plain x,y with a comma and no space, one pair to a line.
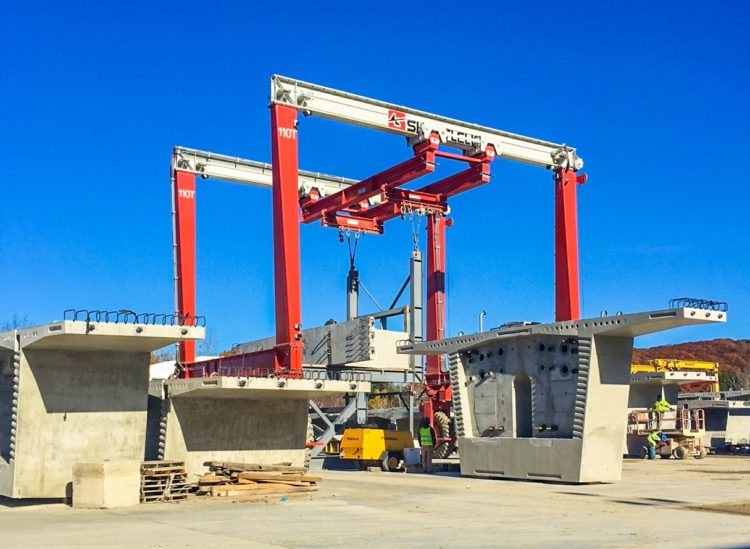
348,208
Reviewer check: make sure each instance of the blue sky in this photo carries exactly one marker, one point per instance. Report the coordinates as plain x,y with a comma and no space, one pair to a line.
653,94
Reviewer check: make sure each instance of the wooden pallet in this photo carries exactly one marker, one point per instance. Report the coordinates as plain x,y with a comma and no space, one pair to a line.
163,481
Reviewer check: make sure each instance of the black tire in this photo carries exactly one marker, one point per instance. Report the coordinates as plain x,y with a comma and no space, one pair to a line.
391,462
680,453
443,430
702,453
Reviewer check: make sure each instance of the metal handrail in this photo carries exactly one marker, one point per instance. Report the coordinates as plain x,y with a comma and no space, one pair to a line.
696,303
126,316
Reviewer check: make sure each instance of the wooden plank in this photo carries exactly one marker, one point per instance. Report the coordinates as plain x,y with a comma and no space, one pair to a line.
252,475
287,482
210,481
236,487
250,497
241,467
277,489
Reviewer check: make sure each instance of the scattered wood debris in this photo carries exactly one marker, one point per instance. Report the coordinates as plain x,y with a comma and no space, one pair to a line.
229,479
163,481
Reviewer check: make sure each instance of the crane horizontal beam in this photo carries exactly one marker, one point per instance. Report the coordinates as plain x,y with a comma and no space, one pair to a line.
251,172
367,188
311,99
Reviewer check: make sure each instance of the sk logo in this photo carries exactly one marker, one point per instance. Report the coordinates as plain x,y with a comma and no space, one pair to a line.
396,120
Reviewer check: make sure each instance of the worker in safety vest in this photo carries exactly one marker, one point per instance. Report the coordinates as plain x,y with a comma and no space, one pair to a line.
658,409
653,441
427,442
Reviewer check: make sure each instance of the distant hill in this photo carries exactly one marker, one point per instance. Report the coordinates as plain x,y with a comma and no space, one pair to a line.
733,356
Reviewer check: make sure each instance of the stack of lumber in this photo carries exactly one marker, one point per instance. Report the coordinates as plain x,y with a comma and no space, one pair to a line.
226,479
163,481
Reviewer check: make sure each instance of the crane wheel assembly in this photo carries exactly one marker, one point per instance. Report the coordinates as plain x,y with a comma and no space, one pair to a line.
444,431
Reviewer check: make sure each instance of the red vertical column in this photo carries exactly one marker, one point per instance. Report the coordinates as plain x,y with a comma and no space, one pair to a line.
435,317
286,250
567,297
183,229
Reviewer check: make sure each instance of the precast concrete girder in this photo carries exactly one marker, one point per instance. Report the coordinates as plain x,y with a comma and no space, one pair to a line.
548,401
241,419
74,392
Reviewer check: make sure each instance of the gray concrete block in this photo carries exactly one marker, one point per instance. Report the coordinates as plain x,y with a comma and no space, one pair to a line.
107,484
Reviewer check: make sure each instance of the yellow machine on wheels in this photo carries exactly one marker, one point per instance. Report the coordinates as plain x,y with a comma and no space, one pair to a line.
376,447
683,429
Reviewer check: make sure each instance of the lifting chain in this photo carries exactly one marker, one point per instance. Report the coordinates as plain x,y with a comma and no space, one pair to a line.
418,213
352,248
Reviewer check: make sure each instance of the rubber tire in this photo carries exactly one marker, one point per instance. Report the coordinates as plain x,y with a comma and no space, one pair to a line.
701,453
391,462
680,452
443,430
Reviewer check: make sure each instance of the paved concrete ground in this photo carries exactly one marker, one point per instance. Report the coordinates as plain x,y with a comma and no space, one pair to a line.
651,506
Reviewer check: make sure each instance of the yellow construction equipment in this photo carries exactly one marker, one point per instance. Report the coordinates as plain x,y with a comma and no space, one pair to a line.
674,365
683,428
376,447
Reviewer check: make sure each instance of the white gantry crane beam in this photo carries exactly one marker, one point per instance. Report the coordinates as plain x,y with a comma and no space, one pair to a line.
311,99
249,172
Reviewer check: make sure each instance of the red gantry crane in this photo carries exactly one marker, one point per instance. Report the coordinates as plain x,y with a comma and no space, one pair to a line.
364,206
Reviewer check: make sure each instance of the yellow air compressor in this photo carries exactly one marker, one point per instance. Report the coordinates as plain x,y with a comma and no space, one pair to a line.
377,447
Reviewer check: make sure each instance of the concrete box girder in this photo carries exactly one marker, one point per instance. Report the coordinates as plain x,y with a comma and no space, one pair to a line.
548,401
70,394
241,419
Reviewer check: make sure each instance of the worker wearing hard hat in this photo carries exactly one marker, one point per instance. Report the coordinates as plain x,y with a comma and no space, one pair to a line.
653,441
427,442
659,407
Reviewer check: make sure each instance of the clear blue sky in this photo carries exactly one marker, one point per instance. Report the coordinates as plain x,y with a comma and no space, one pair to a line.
654,95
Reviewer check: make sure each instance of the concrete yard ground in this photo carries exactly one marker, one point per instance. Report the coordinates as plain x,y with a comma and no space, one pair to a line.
689,504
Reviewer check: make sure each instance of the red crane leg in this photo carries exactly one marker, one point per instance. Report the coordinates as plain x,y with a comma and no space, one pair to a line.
438,388
567,297
286,249
183,231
